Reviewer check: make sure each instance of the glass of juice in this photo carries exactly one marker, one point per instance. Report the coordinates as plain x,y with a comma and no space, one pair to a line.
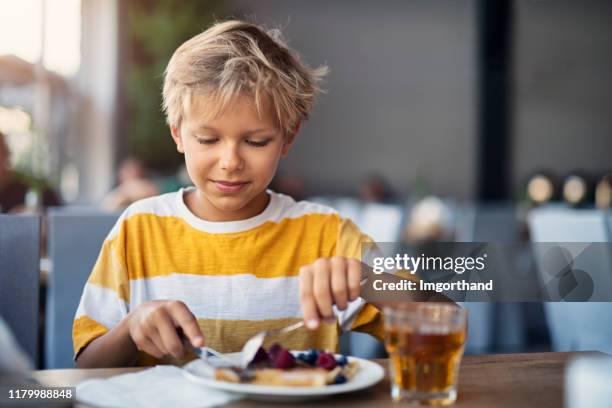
425,345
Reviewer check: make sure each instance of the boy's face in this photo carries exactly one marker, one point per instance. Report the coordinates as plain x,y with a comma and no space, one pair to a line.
231,158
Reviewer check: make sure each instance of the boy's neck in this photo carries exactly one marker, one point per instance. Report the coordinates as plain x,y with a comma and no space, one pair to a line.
198,204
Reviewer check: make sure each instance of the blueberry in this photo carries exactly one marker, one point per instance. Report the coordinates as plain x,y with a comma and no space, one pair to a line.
342,361
340,379
310,358
301,357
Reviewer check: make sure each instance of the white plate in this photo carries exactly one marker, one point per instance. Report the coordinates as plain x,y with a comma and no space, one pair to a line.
369,373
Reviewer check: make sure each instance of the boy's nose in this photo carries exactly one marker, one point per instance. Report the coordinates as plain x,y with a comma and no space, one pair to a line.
230,159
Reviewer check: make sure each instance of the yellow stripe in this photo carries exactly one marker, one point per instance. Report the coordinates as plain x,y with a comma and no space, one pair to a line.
370,320
350,239
84,331
158,246
110,269
230,335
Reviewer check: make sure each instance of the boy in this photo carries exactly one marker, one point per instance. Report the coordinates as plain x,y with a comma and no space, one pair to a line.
227,258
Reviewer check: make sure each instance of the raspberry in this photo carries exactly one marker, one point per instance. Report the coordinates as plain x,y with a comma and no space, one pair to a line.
261,358
284,359
326,361
274,350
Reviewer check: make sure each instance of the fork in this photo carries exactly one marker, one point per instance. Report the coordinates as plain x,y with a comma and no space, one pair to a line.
255,342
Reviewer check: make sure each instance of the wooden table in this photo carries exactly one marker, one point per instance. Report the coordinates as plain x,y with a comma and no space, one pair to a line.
500,380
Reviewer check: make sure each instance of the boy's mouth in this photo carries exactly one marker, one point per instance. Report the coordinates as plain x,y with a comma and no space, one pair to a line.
230,186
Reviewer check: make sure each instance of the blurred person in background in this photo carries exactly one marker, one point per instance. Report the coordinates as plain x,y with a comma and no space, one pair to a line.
133,185
14,190
375,189
291,184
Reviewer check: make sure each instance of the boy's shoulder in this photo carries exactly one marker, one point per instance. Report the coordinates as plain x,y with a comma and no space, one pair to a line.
287,207
162,205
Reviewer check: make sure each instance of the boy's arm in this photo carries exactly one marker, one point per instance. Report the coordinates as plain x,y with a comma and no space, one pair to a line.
107,332
113,349
152,327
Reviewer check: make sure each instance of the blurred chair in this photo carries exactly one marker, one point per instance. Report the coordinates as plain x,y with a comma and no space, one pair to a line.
75,239
574,326
491,325
494,222
349,208
20,279
362,345
382,222
323,200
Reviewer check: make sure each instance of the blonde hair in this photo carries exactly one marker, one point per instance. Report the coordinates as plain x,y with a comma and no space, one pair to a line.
234,58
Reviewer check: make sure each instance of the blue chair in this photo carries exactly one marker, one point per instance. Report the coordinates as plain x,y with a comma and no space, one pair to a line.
491,326
575,326
75,239
20,279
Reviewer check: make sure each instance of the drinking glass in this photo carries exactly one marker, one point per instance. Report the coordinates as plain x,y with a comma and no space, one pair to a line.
425,344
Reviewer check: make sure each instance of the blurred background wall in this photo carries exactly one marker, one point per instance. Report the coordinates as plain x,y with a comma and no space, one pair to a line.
401,91
404,96
562,87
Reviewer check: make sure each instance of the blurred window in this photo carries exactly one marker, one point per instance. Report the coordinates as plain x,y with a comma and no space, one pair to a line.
22,25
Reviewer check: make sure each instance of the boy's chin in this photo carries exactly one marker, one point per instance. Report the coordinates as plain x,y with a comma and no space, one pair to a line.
233,204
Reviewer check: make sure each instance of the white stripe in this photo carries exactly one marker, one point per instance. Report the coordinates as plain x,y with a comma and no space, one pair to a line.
279,208
161,205
102,305
173,204
233,297
291,209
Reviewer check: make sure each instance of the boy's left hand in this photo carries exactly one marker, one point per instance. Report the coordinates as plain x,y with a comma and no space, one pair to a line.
327,282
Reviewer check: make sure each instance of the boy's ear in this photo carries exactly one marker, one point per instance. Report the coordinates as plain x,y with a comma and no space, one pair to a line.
290,139
176,135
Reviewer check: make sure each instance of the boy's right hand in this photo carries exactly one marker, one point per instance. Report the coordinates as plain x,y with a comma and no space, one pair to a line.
154,325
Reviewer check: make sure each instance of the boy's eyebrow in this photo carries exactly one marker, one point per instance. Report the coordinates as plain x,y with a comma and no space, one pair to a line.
248,132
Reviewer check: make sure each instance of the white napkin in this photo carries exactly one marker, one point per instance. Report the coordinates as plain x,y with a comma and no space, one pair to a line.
161,386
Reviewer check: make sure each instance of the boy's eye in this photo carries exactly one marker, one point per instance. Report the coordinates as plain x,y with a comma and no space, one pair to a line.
257,143
207,141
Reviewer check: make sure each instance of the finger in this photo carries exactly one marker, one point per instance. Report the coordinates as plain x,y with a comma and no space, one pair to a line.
183,318
322,288
144,341
146,345
152,334
169,336
354,278
339,281
309,306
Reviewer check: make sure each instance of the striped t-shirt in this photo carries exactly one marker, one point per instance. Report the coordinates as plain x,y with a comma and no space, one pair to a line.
236,277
